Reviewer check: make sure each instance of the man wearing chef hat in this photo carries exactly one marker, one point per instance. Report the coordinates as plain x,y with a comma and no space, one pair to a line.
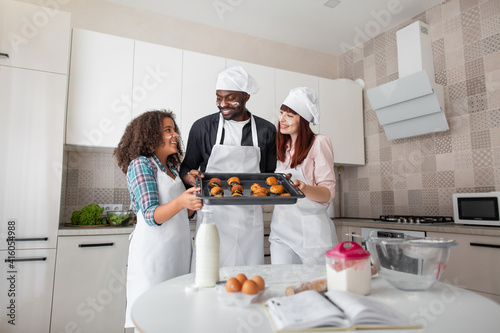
233,141
302,233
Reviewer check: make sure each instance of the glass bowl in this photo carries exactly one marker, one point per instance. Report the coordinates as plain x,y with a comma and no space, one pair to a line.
410,264
120,218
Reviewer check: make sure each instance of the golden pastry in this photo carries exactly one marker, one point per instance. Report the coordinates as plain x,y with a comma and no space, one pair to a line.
233,181
270,181
276,189
237,189
260,190
217,191
254,187
214,182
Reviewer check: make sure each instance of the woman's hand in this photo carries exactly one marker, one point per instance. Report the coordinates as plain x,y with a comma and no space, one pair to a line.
190,177
315,193
300,184
189,200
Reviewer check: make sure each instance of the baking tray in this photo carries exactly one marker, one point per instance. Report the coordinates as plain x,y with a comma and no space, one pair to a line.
247,180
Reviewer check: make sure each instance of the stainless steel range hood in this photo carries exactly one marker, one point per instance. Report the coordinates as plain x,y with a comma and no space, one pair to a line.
414,104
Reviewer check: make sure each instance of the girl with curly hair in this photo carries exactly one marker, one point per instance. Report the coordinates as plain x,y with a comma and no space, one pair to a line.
150,153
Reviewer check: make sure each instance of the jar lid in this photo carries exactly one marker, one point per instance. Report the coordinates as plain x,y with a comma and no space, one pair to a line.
348,250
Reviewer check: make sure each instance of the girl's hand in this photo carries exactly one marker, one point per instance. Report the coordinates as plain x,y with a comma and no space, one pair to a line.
189,200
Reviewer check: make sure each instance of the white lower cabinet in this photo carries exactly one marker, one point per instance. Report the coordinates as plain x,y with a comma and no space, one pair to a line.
474,264
89,285
26,290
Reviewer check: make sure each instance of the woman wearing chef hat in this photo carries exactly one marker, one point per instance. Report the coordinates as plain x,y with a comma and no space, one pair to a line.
303,232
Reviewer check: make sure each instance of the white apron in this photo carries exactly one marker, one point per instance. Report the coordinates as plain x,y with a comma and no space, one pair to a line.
158,253
241,228
304,228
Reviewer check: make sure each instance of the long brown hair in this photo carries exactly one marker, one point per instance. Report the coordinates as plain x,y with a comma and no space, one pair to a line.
305,139
143,135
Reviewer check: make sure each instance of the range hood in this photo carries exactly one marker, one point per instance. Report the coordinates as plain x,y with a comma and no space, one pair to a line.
414,104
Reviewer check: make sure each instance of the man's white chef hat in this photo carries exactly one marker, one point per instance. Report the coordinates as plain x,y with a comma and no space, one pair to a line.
304,101
237,79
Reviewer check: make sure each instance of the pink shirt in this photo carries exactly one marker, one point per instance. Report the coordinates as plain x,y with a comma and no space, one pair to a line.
317,167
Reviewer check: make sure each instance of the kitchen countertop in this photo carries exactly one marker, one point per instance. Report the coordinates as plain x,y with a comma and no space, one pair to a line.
442,308
82,231
432,227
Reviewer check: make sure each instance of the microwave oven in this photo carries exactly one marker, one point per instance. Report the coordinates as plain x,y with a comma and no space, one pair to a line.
476,208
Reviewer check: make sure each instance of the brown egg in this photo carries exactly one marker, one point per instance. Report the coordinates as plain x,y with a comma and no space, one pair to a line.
250,287
233,285
260,282
242,278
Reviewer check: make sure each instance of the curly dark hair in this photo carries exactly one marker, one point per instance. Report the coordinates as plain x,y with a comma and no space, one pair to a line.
143,135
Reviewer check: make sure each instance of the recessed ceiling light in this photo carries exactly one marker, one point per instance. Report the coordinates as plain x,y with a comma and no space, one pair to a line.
332,3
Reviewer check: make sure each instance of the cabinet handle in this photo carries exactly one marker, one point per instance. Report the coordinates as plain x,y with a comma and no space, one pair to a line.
26,259
495,246
44,239
4,55
96,245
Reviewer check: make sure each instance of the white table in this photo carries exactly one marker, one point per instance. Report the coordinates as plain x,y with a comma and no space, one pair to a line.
169,307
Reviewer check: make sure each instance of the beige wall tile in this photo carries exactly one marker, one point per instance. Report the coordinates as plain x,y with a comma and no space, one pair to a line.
444,162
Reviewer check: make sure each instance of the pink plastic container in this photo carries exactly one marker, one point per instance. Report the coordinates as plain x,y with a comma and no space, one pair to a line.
348,268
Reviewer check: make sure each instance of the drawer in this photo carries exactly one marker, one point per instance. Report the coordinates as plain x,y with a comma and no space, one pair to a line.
474,264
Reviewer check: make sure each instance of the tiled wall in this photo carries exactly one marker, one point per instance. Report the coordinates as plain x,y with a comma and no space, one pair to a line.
91,177
417,176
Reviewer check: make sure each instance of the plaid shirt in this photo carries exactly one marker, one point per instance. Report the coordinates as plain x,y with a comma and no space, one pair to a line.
141,183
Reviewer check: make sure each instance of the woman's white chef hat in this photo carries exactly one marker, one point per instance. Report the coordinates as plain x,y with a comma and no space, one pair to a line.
304,101
237,79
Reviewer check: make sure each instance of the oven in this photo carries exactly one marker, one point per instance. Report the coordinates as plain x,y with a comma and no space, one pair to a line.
410,265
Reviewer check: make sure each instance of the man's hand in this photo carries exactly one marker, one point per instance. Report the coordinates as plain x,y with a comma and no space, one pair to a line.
190,177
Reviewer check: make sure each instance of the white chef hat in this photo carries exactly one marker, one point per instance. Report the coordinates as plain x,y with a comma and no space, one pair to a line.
304,101
237,79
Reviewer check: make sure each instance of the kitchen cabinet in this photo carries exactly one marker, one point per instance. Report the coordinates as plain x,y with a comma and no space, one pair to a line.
89,284
125,78
34,37
341,114
100,89
31,132
354,235
347,233
287,80
33,82
263,103
199,76
26,290
474,263
157,78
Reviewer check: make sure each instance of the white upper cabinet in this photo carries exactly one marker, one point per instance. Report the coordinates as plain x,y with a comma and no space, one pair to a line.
100,89
198,88
157,79
263,103
286,81
114,79
341,119
34,37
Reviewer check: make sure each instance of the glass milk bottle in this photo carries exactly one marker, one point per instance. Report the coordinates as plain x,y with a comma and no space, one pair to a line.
207,252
